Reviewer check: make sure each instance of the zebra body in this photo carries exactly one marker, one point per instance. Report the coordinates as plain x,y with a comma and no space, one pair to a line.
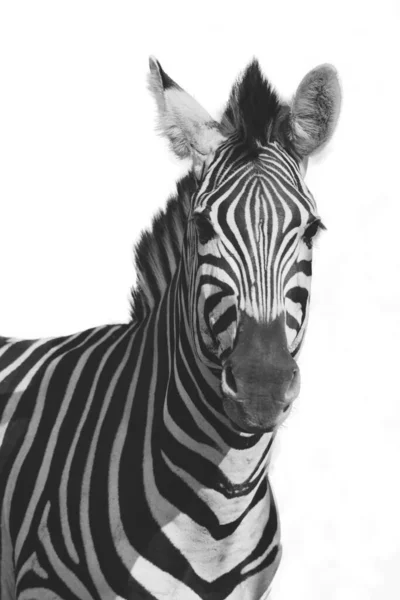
134,458
64,499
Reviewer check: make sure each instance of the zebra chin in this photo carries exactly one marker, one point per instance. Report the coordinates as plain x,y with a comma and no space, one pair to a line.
251,416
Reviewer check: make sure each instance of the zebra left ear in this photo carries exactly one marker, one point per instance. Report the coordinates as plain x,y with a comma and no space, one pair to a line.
189,128
315,110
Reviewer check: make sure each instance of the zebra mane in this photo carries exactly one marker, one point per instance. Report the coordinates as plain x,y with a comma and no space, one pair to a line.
254,110
158,251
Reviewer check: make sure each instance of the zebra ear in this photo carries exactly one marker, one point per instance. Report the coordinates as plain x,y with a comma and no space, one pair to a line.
189,128
315,110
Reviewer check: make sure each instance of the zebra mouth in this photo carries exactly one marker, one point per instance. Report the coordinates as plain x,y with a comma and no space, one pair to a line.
250,416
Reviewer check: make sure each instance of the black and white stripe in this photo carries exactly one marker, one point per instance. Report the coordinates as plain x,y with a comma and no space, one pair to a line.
123,474
119,471
258,261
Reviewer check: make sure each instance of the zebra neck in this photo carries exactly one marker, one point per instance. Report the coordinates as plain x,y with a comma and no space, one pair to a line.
222,465
205,484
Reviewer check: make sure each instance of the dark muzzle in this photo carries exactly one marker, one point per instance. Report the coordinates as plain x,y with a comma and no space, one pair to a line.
260,379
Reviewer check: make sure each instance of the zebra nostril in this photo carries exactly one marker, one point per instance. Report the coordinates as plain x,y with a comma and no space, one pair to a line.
229,379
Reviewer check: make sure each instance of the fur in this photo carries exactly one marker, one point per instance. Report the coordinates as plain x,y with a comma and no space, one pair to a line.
158,250
181,119
315,110
253,109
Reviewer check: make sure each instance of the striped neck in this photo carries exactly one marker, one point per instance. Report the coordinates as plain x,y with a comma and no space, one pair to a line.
193,413
205,483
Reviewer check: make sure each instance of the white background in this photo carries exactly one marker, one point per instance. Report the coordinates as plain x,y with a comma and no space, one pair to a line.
82,171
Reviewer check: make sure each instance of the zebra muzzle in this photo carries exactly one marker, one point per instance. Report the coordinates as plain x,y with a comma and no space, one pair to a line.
260,379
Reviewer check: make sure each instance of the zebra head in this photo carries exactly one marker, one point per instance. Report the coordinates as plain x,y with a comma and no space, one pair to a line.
252,221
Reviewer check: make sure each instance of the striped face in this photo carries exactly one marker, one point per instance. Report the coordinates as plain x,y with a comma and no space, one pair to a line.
248,245
252,229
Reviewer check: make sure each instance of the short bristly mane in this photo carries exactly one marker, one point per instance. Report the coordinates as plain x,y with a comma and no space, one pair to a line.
252,115
158,251
254,110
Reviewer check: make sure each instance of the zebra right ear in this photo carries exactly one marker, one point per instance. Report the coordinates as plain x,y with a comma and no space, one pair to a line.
315,110
191,131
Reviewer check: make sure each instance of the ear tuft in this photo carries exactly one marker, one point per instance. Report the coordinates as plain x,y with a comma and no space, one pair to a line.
315,110
253,108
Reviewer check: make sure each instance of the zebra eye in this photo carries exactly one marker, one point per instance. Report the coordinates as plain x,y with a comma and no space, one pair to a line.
312,231
204,227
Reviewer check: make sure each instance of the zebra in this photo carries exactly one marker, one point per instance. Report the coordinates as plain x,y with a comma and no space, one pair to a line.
134,457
